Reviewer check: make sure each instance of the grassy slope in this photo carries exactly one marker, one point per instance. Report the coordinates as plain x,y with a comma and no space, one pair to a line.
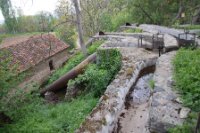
36,116
187,77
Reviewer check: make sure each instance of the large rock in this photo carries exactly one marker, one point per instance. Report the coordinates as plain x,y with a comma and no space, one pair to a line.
166,110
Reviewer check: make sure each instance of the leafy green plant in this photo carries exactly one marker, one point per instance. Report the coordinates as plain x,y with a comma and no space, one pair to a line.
136,30
94,46
188,27
121,18
97,76
187,76
72,62
152,84
67,35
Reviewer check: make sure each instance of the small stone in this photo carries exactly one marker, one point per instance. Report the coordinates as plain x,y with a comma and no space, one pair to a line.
116,80
71,52
178,100
121,71
170,82
184,112
158,89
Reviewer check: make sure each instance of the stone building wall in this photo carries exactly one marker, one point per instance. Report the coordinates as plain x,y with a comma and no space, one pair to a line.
39,73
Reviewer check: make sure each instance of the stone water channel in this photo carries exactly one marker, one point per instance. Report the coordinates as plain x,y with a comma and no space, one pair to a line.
137,105
129,105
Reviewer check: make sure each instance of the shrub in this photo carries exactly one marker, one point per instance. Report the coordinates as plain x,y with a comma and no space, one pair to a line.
97,76
121,18
34,116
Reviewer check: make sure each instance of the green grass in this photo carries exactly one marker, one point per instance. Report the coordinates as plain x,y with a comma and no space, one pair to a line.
35,116
31,114
187,78
152,84
72,62
189,27
136,30
97,76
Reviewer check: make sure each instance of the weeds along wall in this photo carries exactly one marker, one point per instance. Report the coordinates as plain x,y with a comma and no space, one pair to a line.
97,76
187,82
187,76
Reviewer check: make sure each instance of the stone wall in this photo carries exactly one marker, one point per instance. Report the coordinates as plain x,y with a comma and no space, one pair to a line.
41,72
104,117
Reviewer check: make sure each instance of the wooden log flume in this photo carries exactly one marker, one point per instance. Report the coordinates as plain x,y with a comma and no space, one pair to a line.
62,81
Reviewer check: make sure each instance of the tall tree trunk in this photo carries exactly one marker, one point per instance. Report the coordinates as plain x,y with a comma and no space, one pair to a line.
180,11
79,27
196,18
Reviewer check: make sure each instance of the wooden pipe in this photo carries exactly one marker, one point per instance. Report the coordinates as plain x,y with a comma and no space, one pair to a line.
62,81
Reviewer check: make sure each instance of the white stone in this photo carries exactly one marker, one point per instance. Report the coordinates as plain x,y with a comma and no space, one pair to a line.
184,112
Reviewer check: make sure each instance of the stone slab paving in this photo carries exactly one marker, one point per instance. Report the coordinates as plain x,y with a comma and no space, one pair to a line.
166,110
170,41
119,39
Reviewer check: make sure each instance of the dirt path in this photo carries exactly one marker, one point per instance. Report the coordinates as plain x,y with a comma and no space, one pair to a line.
135,118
